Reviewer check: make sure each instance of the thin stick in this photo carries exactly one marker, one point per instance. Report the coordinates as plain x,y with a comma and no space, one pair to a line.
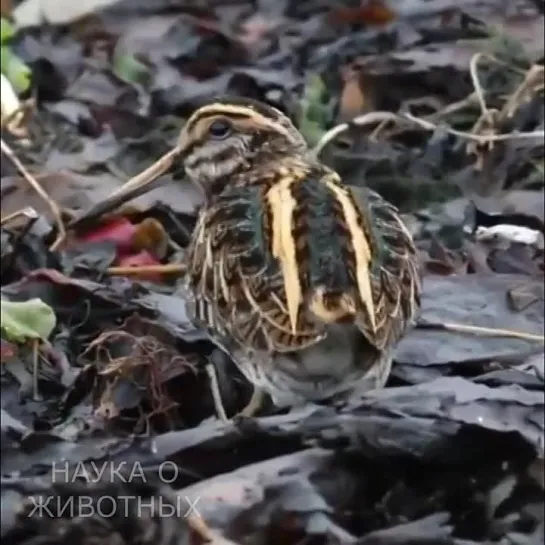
479,92
515,99
171,268
485,331
255,403
375,117
214,386
199,526
373,137
360,121
483,138
27,212
35,369
61,232
454,107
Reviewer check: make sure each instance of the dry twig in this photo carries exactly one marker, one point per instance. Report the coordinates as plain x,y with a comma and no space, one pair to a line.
199,526
28,212
489,117
375,117
482,331
61,232
360,121
533,83
170,268
214,386
482,138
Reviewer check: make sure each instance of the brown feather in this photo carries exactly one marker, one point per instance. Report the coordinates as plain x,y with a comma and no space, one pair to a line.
283,250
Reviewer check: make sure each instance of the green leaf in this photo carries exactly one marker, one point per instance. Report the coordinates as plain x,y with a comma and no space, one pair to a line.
314,110
5,57
6,30
31,319
130,69
18,73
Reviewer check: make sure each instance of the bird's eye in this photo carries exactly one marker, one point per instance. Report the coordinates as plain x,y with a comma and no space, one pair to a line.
220,129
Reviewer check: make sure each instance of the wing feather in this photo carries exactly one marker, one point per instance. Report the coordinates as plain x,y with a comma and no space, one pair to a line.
237,271
395,277
272,272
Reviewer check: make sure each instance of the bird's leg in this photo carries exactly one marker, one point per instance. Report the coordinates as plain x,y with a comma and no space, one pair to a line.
255,403
220,410
217,361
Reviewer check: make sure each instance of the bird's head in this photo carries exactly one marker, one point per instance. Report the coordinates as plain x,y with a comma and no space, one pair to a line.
231,135
220,139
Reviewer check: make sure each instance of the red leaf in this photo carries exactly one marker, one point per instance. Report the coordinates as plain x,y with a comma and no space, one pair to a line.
7,350
118,230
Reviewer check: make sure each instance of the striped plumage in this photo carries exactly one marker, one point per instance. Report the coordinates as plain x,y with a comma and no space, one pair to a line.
307,283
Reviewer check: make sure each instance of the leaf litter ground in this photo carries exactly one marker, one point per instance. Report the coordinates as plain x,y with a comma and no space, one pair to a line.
444,116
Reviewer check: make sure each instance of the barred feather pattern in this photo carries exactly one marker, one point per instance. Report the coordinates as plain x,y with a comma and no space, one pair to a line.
307,283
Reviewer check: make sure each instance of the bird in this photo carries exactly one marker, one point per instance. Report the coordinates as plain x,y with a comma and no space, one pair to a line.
307,283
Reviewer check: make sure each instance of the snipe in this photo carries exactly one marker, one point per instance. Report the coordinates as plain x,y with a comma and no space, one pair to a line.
307,283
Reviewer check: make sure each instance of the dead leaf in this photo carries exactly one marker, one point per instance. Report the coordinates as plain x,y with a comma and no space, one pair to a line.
353,100
371,12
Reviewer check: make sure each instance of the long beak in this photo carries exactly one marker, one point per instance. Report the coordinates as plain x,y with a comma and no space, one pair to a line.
136,186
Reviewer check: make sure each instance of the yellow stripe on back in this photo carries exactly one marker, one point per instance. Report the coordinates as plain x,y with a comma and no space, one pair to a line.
362,248
282,206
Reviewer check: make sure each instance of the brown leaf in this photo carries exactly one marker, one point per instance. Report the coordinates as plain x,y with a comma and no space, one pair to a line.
372,12
5,7
352,101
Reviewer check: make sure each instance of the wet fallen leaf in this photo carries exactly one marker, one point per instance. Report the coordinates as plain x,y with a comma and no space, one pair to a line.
25,320
475,299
